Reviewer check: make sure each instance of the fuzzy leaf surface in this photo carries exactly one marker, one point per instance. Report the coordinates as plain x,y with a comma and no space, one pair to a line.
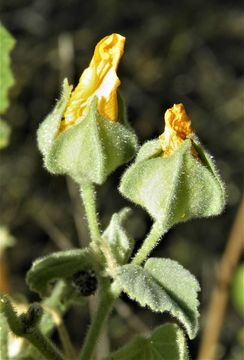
163,285
120,242
167,342
59,265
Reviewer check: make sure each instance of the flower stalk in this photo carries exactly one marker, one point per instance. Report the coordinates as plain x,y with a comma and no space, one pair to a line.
149,243
88,195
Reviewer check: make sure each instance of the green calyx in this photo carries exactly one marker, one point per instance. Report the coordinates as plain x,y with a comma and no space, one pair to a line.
174,188
93,148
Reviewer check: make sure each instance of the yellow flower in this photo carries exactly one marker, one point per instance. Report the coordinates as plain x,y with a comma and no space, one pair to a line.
99,79
177,129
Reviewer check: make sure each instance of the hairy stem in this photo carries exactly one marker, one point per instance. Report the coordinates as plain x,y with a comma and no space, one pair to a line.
88,196
107,300
44,345
32,334
149,243
3,338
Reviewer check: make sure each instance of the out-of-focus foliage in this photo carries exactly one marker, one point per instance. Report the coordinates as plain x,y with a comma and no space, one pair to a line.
6,239
189,52
4,134
6,77
238,289
6,81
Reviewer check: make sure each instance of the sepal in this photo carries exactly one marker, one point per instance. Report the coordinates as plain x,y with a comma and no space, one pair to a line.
174,188
92,148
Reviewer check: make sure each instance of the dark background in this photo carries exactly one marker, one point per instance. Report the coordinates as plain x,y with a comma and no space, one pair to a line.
176,51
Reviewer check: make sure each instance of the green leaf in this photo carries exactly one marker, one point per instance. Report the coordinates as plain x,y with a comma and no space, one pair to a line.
167,342
6,79
174,188
163,285
59,265
50,126
4,134
120,242
93,148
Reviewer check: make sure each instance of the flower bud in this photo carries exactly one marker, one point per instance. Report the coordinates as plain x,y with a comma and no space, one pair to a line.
87,134
173,177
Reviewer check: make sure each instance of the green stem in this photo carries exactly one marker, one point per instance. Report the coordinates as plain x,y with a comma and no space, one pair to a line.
33,335
44,345
103,310
3,338
88,196
149,243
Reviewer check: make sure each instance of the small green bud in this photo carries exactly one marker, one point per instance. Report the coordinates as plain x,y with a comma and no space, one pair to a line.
173,178
93,147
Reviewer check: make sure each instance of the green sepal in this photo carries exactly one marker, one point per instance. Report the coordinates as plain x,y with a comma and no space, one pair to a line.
92,148
48,129
7,43
163,285
121,244
59,265
174,188
167,342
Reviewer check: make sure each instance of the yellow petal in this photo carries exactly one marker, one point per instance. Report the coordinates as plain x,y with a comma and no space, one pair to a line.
99,79
177,128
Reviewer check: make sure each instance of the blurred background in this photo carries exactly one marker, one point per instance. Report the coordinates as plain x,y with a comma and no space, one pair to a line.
189,51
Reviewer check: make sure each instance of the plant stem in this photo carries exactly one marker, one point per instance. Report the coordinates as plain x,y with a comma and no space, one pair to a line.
33,335
3,338
149,243
44,345
88,196
105,306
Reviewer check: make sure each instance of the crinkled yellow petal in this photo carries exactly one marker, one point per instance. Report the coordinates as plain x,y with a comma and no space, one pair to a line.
99,79
177,128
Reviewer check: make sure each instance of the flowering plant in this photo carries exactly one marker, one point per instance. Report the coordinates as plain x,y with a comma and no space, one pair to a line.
173,178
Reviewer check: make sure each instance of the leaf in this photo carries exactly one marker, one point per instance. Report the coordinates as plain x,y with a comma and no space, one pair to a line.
117,237
59,265
4,134
6,79
167,342
163,285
